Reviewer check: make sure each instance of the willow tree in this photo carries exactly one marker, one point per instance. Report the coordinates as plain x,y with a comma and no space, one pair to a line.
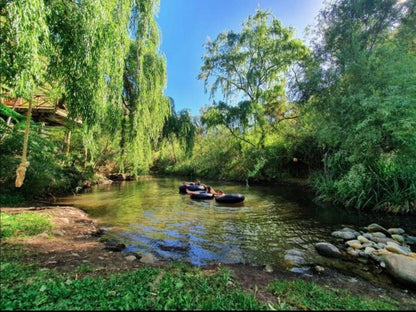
24,37
178,130
249,69
90,40
144,103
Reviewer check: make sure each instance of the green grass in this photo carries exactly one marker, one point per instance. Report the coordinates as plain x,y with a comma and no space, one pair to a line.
174,288
23,224
301,295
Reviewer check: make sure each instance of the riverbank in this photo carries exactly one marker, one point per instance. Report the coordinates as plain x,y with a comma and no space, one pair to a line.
74,242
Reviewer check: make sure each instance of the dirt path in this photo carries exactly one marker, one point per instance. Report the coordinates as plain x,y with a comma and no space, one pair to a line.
75,243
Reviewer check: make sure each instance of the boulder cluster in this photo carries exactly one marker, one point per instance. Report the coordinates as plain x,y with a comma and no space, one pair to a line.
390,248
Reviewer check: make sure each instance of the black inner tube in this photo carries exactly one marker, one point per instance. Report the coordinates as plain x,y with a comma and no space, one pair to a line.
230,198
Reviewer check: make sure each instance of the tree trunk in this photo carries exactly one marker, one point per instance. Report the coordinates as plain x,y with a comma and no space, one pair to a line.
67,142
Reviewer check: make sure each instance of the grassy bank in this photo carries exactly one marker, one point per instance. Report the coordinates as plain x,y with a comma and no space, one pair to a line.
175,287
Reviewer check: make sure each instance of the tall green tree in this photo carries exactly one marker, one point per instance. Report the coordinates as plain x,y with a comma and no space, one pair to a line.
360,88
145,105
249,69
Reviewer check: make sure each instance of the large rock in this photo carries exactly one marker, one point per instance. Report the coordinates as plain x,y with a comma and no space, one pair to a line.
374,227
327,250
401,267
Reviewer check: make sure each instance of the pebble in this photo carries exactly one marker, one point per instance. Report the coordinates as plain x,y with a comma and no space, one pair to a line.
354,244
398,238
379,234
131,258
396,231
362,239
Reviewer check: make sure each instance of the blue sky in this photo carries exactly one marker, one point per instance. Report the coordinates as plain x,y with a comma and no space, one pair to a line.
185,26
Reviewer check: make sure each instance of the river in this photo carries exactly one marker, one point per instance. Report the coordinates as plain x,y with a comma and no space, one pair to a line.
275,225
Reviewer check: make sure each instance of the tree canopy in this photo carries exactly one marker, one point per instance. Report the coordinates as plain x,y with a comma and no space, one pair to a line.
249,68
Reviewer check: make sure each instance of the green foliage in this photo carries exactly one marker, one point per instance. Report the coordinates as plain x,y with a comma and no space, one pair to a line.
176,288
362,97
8,112
249,69
144,103
45,173
23,224
23,41
304,295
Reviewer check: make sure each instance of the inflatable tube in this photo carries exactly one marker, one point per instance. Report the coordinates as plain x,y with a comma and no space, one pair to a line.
230,198
202,195
191,187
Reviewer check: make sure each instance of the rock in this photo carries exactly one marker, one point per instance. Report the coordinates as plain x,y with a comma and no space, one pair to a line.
343,235
393,247
295,257
369,250
295,260
115,246
396,231
58,232
350,230
374,227
402,268
352,252
131,258
378,234
368,235
411,240
148,259
98,232
382,240
398,238
362,239
328,250
380,246
354,244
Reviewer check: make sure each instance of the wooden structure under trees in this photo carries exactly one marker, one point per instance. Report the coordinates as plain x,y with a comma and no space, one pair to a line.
43,110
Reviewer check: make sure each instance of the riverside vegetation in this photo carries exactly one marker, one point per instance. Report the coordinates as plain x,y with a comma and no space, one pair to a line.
339,112
174,286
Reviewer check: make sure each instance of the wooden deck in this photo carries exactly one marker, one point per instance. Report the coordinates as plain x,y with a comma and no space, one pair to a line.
53,114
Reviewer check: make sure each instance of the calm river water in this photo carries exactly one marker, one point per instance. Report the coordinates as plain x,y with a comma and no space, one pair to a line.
276,226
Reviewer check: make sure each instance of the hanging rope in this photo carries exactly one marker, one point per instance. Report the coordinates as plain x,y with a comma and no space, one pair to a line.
21,170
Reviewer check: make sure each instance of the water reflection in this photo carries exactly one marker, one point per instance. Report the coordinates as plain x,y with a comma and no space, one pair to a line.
275,226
